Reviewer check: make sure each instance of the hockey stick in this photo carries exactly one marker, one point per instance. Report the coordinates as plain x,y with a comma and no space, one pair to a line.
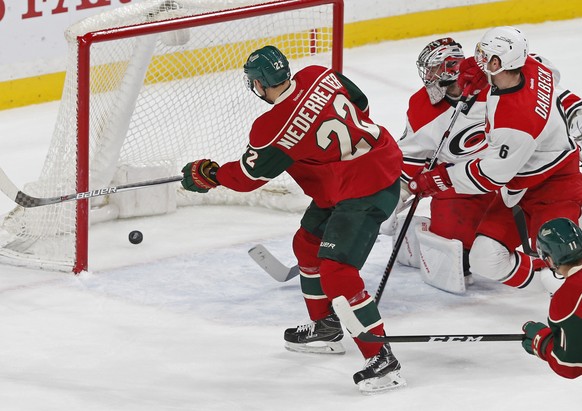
356,328
27,201
521,223
272,265
414,205
443,338
278,270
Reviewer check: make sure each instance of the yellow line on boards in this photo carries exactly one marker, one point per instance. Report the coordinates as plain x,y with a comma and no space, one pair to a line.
48,87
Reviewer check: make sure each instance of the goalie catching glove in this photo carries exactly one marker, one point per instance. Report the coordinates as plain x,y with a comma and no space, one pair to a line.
431,182
537,337
200,175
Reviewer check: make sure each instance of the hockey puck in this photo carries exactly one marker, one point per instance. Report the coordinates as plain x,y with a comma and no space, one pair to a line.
135,237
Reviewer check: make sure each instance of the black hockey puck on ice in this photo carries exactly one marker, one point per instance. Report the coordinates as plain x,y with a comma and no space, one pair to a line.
135,237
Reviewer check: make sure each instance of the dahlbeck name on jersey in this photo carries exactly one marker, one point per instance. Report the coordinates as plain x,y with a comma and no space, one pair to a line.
309,110
544,99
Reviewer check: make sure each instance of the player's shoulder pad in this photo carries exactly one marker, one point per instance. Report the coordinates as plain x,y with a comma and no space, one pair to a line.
421,111
567,300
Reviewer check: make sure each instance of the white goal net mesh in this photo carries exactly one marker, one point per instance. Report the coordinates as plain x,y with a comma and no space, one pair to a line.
156,102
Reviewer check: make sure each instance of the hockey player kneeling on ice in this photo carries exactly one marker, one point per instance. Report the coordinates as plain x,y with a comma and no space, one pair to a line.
354,185
559,243
530,161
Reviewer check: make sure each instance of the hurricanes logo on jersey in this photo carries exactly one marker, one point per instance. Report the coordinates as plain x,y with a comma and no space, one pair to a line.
468,141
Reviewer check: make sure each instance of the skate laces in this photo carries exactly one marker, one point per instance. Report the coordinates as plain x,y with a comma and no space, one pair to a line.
384,355
372,361
309,328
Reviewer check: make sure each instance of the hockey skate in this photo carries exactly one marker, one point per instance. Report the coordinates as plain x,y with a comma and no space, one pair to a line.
320,337
380,373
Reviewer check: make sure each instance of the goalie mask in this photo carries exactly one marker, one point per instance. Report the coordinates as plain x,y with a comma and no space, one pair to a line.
559,242
507,43
438,66
267,65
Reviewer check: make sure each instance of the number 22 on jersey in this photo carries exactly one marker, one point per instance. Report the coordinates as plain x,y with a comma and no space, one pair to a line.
337,128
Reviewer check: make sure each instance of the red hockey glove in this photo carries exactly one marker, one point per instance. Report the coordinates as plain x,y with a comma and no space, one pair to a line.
471,78
431,182
537,337
200,175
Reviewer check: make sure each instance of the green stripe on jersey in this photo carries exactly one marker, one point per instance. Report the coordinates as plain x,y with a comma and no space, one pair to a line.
267,162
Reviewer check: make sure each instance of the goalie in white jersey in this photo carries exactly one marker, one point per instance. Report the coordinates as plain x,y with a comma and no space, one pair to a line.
531,160
443,241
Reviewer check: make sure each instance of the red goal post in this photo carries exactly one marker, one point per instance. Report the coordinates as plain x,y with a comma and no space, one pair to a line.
141,87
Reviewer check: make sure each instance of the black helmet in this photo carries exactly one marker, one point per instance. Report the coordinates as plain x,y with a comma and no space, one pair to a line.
561,240
267,65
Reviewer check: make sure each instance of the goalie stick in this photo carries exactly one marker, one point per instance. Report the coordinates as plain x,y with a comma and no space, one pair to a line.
355,327
278,270
27,201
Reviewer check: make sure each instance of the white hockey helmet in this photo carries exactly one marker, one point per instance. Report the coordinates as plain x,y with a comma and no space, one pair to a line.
507,43
438,66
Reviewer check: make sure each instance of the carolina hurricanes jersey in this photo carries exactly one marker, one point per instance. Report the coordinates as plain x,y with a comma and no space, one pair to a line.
526,129
426,125
564,352
326,143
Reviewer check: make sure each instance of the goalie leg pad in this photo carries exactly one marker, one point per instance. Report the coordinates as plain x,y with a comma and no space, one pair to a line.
441,261
409,253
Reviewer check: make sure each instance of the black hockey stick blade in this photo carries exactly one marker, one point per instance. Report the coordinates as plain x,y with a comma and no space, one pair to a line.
272,265
521,223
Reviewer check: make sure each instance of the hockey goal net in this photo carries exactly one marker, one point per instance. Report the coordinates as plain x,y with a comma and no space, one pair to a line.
150,86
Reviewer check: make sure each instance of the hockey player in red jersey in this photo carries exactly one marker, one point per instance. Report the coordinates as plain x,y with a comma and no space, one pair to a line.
454,217
319,132
531,161
559,243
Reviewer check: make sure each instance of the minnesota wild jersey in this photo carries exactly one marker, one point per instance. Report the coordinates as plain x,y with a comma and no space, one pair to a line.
564,351
320,133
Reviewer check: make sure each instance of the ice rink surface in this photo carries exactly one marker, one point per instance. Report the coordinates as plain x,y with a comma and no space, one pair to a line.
187,321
